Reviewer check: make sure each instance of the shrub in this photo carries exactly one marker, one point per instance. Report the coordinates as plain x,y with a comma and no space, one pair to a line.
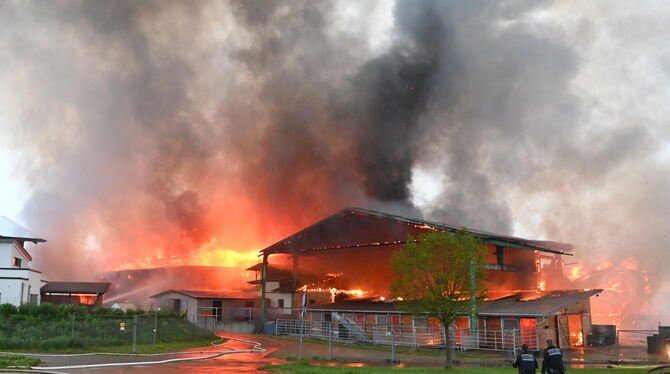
7,309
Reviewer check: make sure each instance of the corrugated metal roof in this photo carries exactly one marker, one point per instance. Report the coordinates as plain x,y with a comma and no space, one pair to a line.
206,294
76,287
12,230
549,303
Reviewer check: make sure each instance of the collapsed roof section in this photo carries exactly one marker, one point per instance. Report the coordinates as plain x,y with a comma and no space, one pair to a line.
357,228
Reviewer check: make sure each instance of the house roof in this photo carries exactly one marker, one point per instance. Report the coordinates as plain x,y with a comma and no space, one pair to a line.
356,227
76,287
517,305
12,230
206,294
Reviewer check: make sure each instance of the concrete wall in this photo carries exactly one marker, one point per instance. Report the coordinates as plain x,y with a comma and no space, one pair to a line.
239,327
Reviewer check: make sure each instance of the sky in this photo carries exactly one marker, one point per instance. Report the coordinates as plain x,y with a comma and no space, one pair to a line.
622,77
152,128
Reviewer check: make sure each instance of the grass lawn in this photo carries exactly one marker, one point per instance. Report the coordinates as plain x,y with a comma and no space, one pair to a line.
403,350
18,362
160,347
305,368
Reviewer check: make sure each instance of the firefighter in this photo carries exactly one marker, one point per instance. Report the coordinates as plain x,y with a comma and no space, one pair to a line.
525,361
552,361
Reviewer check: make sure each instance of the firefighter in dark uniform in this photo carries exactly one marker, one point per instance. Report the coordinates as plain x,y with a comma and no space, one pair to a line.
525,361
552,362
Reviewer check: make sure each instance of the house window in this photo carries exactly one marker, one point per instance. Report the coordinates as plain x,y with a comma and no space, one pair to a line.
420,322
16,262
510,324
382,319
280,303
33,299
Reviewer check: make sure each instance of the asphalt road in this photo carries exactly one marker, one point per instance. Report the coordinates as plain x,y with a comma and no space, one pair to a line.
230,363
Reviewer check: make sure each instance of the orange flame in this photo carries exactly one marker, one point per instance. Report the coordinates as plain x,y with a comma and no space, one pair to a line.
209,254
333,292
577,272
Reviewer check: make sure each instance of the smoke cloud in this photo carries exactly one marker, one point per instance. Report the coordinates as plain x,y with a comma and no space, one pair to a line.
151,129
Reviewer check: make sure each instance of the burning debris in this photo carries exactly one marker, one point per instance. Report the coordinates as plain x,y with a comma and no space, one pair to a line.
625,301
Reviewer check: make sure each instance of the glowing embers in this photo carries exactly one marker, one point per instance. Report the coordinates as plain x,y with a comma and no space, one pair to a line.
334,292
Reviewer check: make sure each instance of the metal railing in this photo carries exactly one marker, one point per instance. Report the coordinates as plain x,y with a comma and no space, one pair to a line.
411,336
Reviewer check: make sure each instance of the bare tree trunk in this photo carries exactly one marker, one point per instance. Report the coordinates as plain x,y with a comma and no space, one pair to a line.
447,345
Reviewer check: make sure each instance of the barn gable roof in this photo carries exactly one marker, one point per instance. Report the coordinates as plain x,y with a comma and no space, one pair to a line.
356,227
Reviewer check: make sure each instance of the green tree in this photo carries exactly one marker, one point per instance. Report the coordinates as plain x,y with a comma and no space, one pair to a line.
436,275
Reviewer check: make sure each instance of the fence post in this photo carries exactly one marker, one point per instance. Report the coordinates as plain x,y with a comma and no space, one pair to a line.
330,341
155,326
133,348
618,346
514,344
302,327
73,325
393,355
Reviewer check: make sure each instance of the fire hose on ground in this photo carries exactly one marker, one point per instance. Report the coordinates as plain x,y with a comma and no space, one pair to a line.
256,348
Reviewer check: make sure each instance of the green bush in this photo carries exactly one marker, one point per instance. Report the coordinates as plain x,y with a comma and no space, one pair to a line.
53,327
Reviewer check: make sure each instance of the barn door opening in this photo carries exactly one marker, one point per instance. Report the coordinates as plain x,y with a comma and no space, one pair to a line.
576,332
528,332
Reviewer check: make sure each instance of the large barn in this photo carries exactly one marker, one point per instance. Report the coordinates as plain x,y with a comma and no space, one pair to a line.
345,258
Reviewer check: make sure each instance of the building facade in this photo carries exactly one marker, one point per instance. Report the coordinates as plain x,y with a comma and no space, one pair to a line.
346,258
19,283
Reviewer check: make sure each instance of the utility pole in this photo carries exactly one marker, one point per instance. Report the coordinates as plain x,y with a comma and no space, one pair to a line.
473,294
264,275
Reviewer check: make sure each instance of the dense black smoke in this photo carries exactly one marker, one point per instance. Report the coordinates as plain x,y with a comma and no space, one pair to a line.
153,127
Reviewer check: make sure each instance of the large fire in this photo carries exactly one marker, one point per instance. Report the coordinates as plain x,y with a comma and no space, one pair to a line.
211,253
625,299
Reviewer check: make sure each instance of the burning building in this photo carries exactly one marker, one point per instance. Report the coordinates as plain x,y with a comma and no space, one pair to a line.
345,259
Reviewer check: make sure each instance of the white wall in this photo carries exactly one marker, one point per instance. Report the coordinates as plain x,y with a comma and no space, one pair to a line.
274,301
17,284
6,250
189,305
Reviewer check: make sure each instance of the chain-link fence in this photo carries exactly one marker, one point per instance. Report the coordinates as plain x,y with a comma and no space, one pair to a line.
411,336
82,330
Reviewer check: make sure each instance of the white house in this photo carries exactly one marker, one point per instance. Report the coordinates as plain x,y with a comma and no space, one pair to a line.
19,284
